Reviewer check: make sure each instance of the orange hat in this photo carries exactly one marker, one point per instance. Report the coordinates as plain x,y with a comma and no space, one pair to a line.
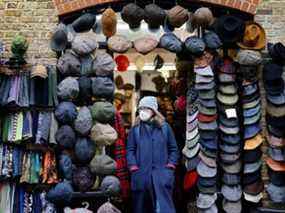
254,142
190,180
254,37
275,165
109,22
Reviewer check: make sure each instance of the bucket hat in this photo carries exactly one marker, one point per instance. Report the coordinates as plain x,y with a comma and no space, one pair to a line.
229,28
208,126
211,153
83,122
65,112
232,207
84,44
103,87
202,17
154,16
212,40
230,139
252,167
251,104
250,89
110,184
104,65
277,178
274,87
229,89
119,44
229,130
254,36
192,143
205,201
275,111
211,162
251,98
275,141
250,178
82,179
206,118
65,166
192,134
171,42
278,99
195,45
207,134
84,23
103,112
252,111
192,163
204,71
276,193
227,99
278,122
276,131
132,14
254,188
69,64
177,16
207,181
207,189
277,154
68,89
103,165
207,94
109,22
276,51
251,130
249,73
226,78
253,119
103,134
207,110
190,180
61,193
203,79
145,44
228,122
275,165
231,179
190,153
232,193
249,57
229,157
253,198
59,40
65,137
206,171
253,155
84,150
234,168
253,143
192,125
211,144
228,148
205,86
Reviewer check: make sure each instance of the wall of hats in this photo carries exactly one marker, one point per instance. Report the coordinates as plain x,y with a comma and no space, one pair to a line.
65,127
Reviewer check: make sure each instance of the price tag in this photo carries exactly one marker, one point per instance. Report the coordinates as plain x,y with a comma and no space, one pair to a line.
231,113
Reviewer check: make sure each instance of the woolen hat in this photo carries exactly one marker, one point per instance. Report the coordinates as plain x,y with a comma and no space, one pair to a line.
85,89
103,112
205,201
206,171
65,112
254,36
119,44
103,165
59,40
202,17
84,23
61,193
84,44
177,16
83,122
145,44
231,179
232,206
65,166
195,45
69,64
68,89
84,150
154,16
149,102
104,64
103,134
110,184
190,180
212,40
275,165
171,42
249,57
132,14
109,22
103,87
82,179
276,193
232,193
65,137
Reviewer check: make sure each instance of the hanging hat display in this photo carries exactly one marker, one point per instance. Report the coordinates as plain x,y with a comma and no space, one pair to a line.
139,63
122,62
59,39
119,44
202,17
177,16
154,16
132,14
84,23
158,62
109,22
145,44
254,36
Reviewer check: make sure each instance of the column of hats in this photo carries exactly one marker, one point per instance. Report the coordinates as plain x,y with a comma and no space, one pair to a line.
85,113
249,61
275,119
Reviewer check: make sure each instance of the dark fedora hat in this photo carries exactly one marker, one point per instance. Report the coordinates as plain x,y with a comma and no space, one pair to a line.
229,28
251,177
84,23
59,40
132,14
276,51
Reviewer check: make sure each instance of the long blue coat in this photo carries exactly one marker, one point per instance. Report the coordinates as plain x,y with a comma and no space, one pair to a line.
151,147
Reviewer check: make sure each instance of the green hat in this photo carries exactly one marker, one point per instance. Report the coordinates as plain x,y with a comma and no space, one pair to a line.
103,112
19,46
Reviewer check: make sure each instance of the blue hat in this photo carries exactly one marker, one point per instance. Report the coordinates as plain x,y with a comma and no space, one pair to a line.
192,163
84,150
231,179
212,40
211,144
230,139
65,112
208,103
251,156
195,45
253,119
228,122
149,102
272,71
278,99
229,148
61,193
251,130
171,42
274,87
65,166
253,111
207,181
208,134
65,137
276,193
277,154
250,89
208,126
103,87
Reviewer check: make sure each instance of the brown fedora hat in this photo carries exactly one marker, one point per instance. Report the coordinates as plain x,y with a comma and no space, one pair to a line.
254,37
202,17
275,165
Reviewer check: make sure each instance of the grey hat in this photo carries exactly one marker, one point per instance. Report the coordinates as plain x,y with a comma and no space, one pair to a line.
84,44
207,110
252,167
190,153
192,143
84,150
192,163
119,44
103,165
195,45
205,201
229,130
229,148
145,44
205,86
229,157
110,184
253,119
226,78
68,89
65,112
232,207
61,193
206,171
212,209
232,193
84,22
65,137
203,79
228,89
192,125
69,64
83,121
211,162
59,40
171,42
277,154
212,40
231,179
227,99
191,135
103,87
249,57
232,168
276,193
207,94
104,64
208,126
149,102
204,71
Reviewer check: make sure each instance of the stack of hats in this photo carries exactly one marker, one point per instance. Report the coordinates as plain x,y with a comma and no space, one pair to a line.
230,141
249,61
275,118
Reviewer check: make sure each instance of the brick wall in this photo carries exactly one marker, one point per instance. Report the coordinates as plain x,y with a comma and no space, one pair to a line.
35,19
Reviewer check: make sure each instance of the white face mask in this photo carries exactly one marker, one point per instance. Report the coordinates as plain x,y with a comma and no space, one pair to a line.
145,115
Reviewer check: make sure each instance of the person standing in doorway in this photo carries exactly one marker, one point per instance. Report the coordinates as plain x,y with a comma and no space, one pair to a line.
152,155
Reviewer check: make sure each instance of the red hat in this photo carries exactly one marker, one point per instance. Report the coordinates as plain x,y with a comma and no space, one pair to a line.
180,103
122,62
190,180
206,118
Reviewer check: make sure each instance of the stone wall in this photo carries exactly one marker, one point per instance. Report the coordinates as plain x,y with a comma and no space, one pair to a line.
35,19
